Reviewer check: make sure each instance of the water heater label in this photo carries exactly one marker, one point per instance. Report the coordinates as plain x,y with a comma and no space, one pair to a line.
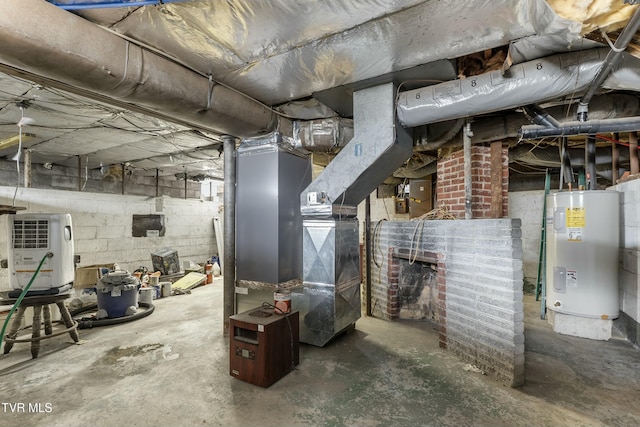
575,217
574,234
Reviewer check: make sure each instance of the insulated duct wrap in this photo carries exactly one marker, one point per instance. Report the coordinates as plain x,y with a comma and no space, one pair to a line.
94,62
280,50
530,82
325,135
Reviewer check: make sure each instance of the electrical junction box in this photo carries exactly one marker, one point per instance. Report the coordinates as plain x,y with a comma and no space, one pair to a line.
264,346
402,207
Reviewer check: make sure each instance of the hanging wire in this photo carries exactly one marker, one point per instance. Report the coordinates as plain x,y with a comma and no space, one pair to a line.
86,172
17,156
415,242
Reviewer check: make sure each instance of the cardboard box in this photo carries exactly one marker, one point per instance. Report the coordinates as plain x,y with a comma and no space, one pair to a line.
88,276
165,261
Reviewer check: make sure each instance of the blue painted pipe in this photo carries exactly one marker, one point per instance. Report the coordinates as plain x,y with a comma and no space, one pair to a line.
114,4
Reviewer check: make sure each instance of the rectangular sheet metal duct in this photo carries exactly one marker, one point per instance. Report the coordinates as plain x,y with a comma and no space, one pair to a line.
329,301
330,298
379,146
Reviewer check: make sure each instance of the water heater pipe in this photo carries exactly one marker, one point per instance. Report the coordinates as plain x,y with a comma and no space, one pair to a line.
609,62
540,116
590,162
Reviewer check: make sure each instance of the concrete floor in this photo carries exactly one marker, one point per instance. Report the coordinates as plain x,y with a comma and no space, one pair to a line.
171,369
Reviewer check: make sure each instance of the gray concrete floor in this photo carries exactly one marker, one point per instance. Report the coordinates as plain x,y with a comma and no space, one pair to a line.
172,369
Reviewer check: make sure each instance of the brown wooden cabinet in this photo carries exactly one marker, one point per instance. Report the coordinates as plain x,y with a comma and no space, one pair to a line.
264,346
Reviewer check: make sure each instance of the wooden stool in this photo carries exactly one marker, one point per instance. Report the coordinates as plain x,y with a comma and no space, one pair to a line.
41,309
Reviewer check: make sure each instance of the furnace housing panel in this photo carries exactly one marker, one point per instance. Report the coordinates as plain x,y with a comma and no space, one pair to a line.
270,178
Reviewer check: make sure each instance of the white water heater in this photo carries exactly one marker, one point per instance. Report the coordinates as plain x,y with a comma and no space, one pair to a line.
583,233
32,236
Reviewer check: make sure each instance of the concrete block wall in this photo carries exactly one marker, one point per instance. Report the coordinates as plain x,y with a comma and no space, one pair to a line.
480,308
528,206
102,225
629,280
107,181
450,183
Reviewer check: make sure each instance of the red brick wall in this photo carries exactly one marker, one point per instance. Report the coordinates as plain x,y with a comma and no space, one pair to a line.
450,182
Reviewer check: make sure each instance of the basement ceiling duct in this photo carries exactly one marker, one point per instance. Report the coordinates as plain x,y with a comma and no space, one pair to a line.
87,59
535,81
280,50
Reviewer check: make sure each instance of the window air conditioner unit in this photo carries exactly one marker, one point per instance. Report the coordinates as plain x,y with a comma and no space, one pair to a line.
31,237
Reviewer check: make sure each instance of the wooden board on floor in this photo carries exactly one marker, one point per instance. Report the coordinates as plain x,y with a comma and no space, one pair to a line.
189,281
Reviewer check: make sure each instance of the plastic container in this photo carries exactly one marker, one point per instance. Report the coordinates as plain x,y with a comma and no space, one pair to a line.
282,301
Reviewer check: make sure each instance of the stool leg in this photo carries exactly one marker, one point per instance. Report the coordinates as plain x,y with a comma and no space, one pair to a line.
15,326
68,321
35,330
46,316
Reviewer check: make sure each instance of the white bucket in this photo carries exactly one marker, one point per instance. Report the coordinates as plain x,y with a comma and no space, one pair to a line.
166,289
146,295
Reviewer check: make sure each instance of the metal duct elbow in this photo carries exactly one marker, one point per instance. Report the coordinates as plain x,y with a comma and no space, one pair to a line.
378,148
